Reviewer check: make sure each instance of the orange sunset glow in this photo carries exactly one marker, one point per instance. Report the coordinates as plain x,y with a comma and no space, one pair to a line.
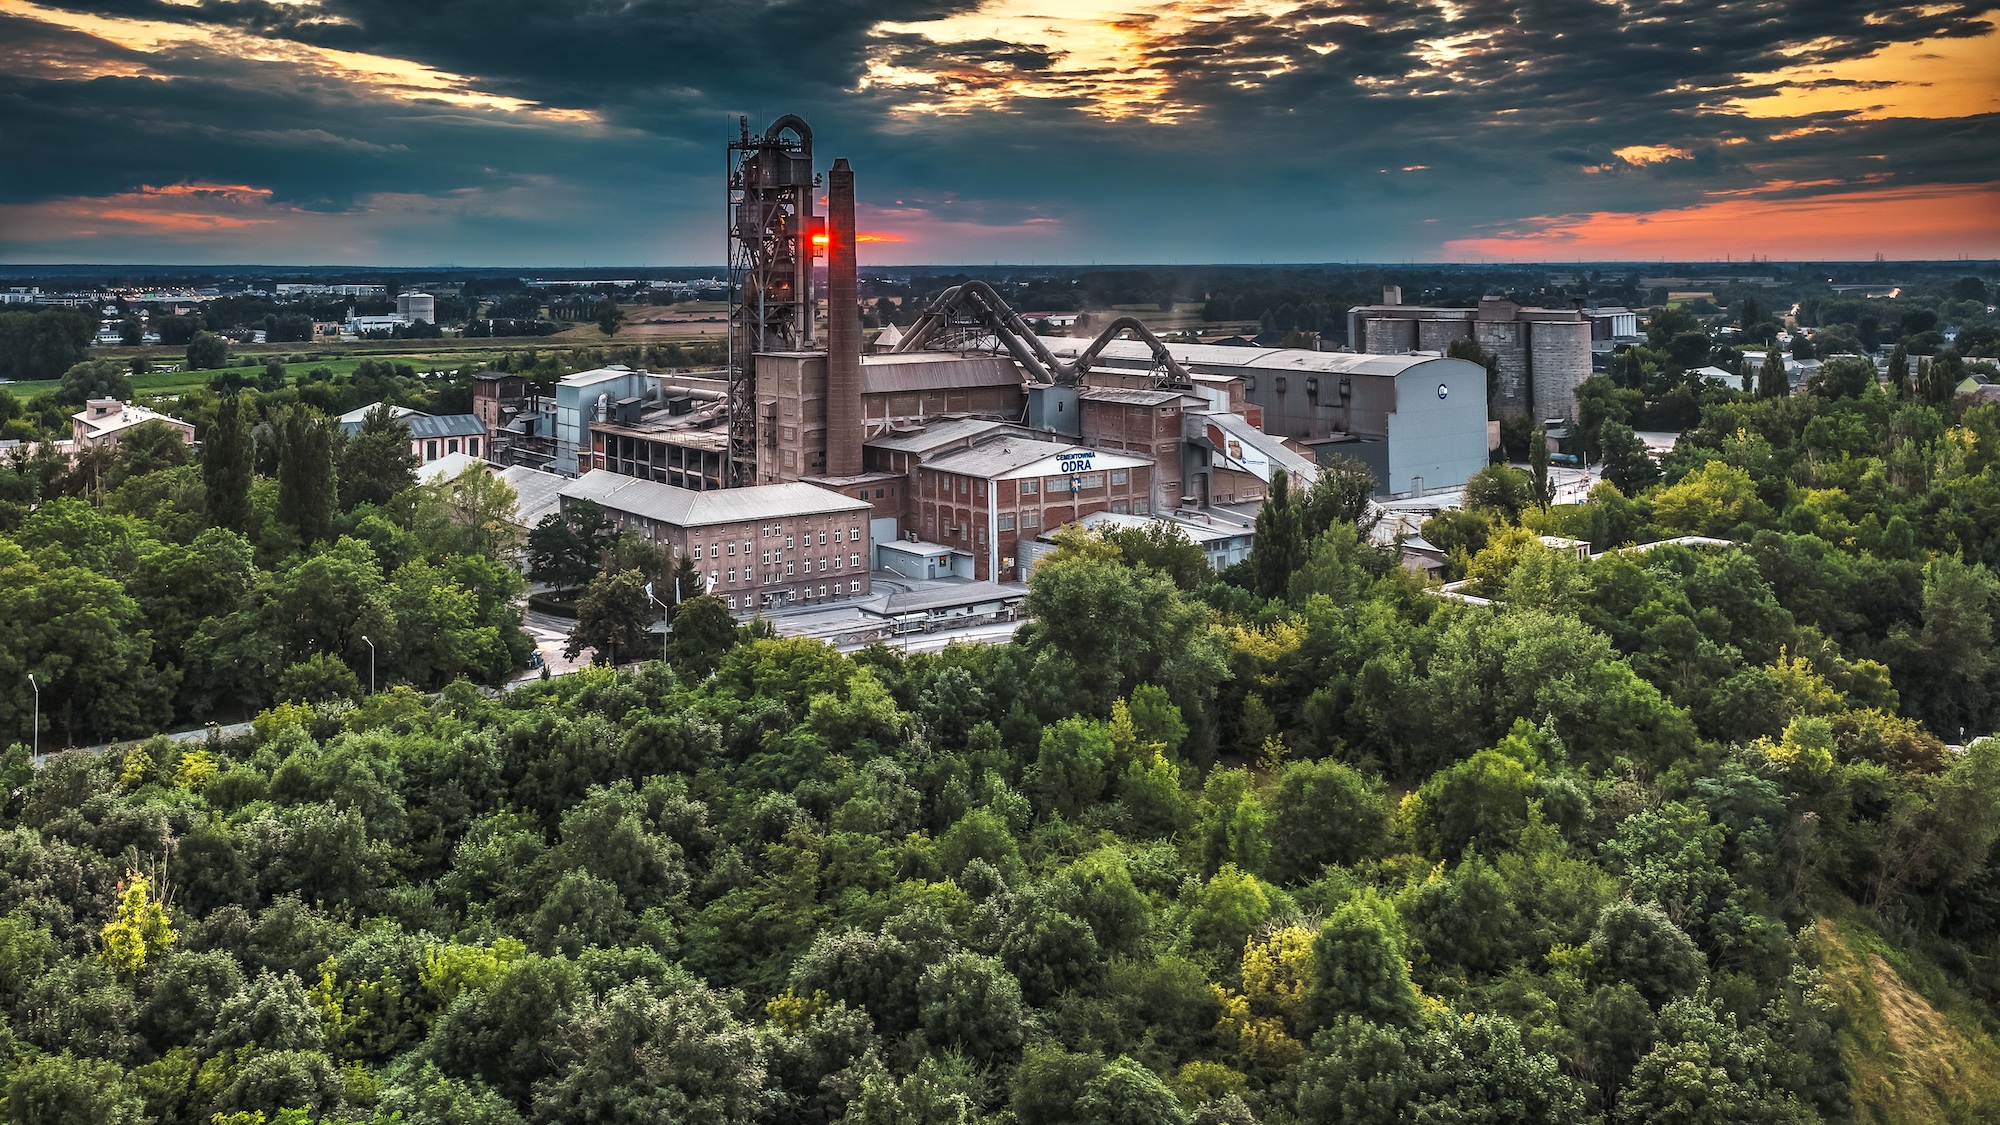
165,210
1933,222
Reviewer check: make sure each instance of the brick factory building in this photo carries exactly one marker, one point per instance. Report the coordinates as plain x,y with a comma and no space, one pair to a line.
758,548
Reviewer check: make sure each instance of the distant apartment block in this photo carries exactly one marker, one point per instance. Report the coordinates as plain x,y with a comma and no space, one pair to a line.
291,289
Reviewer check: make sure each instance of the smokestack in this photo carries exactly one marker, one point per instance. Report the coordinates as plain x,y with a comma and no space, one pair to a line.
843,328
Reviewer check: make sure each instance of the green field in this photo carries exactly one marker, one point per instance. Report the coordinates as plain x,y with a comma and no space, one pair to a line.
166,383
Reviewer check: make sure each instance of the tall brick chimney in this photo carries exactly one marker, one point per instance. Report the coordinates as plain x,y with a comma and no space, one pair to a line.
843,328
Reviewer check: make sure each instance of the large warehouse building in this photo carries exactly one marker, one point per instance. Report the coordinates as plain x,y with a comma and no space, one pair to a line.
1417,420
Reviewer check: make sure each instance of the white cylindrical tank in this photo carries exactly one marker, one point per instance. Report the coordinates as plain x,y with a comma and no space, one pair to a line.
412,307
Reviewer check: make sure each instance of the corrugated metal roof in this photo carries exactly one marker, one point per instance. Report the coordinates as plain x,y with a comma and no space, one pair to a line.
444,425
1131,397
683,507
937,435
536,493
895,372
954,596
1271,447
424,426
1239,360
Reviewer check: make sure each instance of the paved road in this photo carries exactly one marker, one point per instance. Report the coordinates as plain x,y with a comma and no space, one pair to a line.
226,730
550,633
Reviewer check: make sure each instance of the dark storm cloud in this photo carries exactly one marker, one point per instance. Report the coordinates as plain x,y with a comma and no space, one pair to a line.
1362,120
32,47
315,143
587,55
992,55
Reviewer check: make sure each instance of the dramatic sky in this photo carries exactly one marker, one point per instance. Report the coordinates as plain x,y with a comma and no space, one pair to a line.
580,132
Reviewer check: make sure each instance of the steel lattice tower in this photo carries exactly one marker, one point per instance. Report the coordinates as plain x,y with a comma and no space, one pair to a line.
771,229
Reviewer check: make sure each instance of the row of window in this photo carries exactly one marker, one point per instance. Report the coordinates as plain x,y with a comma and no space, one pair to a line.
718,550
1031,519
852,560
942,485
450,447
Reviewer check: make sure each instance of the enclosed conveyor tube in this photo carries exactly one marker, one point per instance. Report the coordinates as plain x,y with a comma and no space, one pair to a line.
993,312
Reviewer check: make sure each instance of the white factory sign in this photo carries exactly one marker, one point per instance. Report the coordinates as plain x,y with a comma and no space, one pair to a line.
1071,462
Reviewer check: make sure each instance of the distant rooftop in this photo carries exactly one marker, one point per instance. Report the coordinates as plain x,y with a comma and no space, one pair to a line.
1260,359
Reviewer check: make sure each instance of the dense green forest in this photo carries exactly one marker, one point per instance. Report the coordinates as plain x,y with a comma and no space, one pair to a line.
1681,835
146,584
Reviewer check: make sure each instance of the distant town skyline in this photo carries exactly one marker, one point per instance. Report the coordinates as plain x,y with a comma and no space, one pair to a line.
373,133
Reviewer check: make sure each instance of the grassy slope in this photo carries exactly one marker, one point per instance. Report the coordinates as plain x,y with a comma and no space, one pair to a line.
1913,1043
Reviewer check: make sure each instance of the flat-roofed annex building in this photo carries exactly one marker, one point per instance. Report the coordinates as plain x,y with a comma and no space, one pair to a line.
103,421
758,547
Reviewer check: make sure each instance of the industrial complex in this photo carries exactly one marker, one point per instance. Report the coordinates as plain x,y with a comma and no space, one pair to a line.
956,446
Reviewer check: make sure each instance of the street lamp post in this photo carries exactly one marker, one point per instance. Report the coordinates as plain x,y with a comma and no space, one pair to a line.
666,613
371,663
35,754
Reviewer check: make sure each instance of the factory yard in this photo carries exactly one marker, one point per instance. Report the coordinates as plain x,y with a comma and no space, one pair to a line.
852,626
849,626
